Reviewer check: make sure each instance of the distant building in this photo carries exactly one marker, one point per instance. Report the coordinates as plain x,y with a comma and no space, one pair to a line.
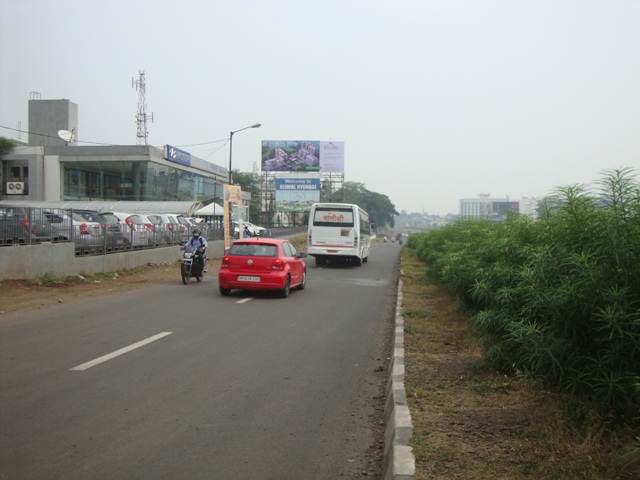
529,207
483,206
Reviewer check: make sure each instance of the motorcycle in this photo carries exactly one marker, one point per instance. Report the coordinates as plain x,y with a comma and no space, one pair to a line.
192,264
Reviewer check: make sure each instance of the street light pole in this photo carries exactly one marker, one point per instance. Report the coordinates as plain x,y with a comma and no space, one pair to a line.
231,133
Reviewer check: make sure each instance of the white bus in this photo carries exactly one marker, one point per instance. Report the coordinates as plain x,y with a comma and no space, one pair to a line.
338,230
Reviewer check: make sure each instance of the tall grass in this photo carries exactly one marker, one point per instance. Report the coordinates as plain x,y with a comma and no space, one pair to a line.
558,298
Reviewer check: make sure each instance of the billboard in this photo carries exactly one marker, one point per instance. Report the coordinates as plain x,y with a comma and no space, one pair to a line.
296,194
302,156
232,195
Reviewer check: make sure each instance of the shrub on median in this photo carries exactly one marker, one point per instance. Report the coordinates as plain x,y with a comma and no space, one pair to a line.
558,298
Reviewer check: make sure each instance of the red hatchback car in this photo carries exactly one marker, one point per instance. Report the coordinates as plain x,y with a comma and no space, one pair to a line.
262,264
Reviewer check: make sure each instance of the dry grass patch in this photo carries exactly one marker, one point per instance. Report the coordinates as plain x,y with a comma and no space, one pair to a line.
472,423
299,242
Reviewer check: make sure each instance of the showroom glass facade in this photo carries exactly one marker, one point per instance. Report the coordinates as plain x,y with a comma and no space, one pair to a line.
139,180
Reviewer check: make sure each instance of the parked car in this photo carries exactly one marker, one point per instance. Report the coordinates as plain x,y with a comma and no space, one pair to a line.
255,230
60,223
262,264
166,227
183,227
19,225
86,235
111,228
135,226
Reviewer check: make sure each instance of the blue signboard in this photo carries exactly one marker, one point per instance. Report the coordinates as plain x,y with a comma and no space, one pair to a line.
176,155
297,194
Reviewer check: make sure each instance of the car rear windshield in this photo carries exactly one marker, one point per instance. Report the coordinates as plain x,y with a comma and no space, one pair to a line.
253,250
333,217
88,215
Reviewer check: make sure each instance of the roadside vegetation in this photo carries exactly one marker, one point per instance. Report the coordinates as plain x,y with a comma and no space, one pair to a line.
556,303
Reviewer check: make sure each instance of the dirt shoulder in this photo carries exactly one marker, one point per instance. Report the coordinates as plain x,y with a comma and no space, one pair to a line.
473,423
19,295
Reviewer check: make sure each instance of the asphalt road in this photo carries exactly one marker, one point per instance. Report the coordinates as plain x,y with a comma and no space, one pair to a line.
269,388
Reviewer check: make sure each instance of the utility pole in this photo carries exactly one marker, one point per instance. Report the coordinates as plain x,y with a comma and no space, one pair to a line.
142,131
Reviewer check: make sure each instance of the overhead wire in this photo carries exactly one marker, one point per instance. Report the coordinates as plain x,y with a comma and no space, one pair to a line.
52,136
216,150
225,139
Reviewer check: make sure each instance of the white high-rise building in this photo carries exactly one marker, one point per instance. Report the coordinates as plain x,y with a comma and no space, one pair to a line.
483,206
479,207
529,207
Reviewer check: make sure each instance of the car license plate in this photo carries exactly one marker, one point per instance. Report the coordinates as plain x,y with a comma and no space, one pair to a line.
248,278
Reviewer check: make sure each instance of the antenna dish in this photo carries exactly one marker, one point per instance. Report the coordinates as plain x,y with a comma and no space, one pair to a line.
65,135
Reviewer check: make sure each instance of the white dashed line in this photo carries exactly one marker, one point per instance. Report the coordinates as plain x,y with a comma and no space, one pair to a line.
245,300
119,352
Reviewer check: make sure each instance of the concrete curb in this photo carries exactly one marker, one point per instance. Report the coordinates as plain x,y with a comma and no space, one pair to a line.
399,462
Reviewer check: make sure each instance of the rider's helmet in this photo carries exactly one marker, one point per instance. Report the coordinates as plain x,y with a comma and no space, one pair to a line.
196,233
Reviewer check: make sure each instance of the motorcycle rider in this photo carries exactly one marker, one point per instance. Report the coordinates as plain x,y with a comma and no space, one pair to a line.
198,241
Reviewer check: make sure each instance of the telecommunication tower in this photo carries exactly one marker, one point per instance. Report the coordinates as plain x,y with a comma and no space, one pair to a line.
142,131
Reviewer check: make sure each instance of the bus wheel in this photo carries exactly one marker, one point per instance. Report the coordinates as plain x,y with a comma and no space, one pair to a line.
357,262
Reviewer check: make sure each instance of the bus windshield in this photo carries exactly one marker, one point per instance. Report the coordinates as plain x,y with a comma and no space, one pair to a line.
333,217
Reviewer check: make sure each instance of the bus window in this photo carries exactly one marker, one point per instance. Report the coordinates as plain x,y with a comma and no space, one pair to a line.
333,217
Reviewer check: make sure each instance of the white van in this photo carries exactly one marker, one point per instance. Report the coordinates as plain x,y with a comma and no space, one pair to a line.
338,230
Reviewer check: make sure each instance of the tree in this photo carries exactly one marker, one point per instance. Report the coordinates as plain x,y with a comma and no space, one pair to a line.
6,146
381,210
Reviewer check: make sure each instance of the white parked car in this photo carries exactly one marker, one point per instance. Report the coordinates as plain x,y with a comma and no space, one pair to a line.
135,226
255,230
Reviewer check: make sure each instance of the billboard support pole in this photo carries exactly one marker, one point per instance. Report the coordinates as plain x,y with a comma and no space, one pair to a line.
230,153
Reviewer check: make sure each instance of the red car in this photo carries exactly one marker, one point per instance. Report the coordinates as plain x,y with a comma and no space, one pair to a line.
262,264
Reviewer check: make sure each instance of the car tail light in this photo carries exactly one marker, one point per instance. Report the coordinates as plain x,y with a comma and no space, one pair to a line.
129,222
84,230
226,262
277,265
25,223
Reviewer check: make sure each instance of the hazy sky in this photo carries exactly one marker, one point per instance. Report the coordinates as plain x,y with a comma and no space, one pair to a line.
435,100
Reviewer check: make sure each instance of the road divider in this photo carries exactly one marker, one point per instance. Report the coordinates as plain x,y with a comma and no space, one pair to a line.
399,461
121,351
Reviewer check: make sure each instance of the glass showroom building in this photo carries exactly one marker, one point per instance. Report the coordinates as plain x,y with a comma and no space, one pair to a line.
127,173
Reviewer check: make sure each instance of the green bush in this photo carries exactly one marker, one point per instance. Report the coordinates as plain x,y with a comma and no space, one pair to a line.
558,298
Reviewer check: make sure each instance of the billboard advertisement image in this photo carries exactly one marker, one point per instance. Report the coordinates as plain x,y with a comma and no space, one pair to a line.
290,156
302,156
296,194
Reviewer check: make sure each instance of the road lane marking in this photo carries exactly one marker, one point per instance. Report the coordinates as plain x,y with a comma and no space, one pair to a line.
121,351
245,300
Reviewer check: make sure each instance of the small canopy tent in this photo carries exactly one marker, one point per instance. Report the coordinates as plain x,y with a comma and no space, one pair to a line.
211,210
